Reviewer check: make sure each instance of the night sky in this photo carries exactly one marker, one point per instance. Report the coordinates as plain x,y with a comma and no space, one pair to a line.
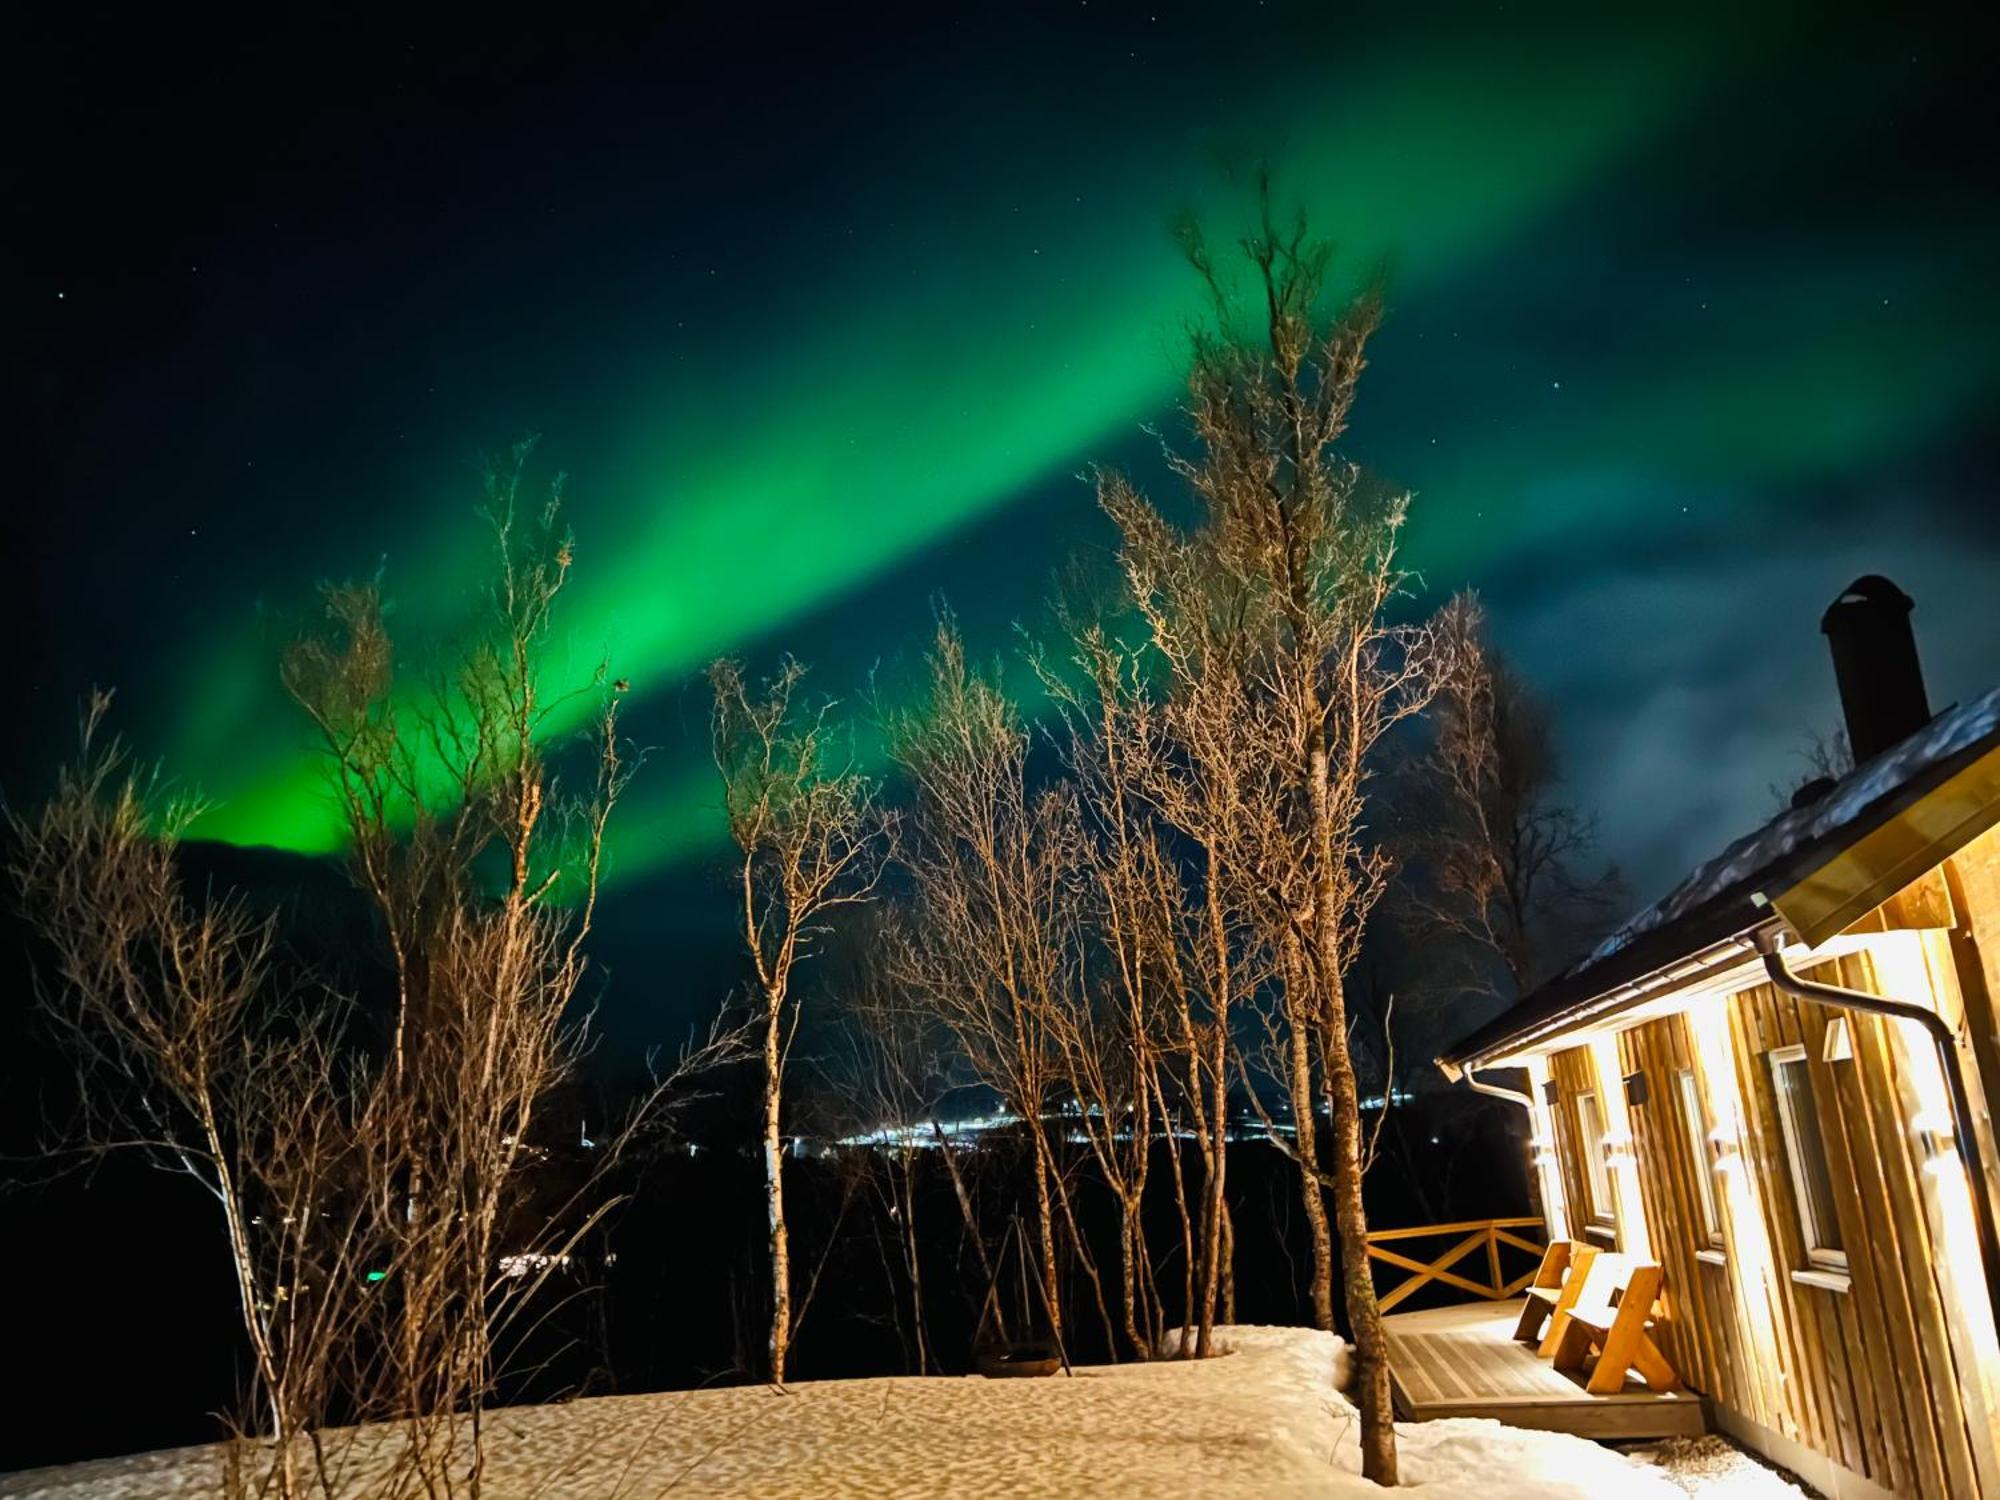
825,314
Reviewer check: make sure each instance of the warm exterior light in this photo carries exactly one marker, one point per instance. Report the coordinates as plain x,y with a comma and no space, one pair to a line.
1838,1045
1723,1149
1629,1204
1555,1209
1935,1135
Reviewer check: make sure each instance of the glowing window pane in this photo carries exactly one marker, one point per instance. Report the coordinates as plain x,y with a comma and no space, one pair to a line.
1695,1113
1597,1175
1812,1179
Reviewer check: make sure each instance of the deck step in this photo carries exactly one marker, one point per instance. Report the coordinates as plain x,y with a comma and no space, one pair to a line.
1462,1361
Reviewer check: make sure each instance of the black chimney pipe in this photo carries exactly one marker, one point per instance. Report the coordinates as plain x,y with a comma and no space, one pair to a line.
1875,663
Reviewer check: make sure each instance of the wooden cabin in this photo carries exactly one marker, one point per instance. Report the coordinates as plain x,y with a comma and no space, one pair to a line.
1779,1084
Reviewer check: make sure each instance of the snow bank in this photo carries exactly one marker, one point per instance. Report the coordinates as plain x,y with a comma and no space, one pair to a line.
1264,1419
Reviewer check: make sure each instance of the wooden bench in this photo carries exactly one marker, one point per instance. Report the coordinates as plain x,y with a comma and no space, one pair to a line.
1608,1316
1556,1286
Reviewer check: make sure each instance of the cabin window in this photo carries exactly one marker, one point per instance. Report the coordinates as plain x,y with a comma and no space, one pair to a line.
1695,1113
1596,1173
1812,1179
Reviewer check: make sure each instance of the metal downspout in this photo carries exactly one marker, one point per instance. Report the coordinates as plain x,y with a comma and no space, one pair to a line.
1946,1042
1527,1102
1513,1096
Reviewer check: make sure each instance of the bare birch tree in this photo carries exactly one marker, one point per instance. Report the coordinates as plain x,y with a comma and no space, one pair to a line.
1117,1033
1209,774
1507,868
992,939
809,840
192,1048
485,875
1291,567
1286,1053
377,1174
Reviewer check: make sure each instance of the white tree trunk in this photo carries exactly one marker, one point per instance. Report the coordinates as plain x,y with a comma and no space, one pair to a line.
774,1188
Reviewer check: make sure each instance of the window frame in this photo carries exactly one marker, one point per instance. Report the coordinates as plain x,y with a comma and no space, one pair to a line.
1701,1132
1819,1255
1597,1184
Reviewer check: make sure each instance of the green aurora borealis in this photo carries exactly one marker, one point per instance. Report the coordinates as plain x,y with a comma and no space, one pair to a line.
810,365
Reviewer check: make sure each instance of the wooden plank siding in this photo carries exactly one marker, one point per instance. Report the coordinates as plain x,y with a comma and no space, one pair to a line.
1697,1331
1967,960
1881,1375
1816,1324
1972,948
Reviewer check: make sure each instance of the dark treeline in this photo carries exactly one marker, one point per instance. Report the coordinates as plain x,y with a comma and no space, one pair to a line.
117,1295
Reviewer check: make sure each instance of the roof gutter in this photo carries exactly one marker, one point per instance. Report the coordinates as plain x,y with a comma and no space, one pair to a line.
1716,957
1946,1041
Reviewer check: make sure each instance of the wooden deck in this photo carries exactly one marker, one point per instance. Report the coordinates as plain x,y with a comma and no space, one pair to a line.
1463,1362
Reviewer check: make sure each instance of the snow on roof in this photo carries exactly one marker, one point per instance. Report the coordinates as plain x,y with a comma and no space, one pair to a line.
1715,902
1799,827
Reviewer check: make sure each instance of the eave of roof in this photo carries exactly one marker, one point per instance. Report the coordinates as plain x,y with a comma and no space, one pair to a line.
1947,773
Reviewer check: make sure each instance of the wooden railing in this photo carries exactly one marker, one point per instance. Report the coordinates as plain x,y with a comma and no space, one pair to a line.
1492,1233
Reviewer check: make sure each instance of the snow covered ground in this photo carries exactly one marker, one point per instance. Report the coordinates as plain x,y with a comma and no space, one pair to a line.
1265,1419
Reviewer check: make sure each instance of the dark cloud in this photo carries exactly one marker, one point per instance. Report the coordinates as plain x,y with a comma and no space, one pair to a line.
1689,688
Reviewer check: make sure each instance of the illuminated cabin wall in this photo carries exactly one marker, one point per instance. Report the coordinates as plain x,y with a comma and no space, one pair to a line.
1973,878
1966,960
1890,1377
1700,1332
